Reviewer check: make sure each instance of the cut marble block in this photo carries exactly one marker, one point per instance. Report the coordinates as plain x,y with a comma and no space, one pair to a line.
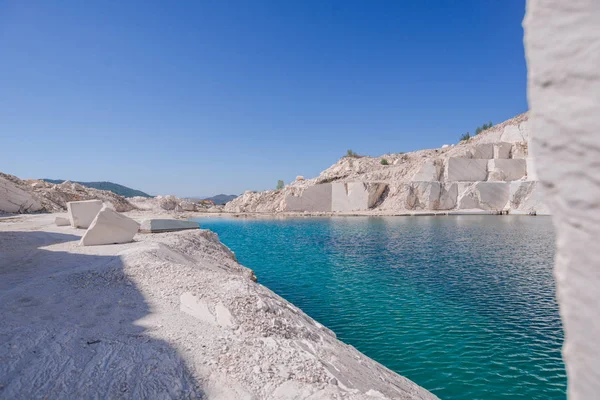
109,227
483,195
313,199
506,170
516,133
62,221
430,195
502,150
429,171
520,150
13,199
528,197
483,151
466,169
167,225
355,196
82,213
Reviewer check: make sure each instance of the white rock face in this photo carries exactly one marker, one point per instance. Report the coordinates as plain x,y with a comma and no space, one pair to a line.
520,150
506,170
16,200
466,169
167,225
527,197
62,221
516,133
430,171
355,196
314,198
299,178
483,195
186,206
109,227
562,39
82,213
483,150
502,150
168,203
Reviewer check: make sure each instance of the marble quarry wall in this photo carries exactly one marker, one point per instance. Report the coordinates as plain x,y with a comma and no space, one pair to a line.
562,47
315,198
355,196
336,197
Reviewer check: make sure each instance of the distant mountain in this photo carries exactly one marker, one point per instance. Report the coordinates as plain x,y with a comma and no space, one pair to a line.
222,198
218,199
110,186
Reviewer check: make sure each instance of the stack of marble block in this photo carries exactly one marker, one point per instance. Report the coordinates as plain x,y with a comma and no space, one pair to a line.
497,176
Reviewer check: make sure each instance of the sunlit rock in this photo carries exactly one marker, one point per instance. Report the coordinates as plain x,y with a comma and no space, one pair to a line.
82,213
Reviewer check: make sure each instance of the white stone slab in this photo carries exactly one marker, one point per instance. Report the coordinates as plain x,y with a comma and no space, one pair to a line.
13,199
506,170
62,221
502,150
429,171
355,196
109,227
167,225
448,196
429,195
516,133
483,151
466,169
484,195
527,197
423,195
313,199
82,213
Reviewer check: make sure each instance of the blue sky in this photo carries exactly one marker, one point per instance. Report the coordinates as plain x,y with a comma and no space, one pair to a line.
204,97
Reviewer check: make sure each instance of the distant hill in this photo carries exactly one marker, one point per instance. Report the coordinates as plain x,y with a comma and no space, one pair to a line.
110,186
222,198
218,199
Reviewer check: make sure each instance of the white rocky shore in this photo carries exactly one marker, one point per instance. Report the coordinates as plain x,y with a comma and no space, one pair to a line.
170,315
492,172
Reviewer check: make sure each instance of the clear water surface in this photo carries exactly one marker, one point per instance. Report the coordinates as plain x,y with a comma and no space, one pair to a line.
463,305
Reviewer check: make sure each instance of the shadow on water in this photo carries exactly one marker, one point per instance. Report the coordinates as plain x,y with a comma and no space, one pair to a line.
69,328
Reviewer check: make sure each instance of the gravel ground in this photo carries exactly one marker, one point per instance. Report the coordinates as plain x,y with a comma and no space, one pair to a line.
170,315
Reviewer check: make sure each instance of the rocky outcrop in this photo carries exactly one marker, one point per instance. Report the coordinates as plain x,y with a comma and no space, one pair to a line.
14,199
475,174
38,195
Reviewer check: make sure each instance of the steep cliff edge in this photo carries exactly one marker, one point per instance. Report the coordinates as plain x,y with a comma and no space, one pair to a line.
492,171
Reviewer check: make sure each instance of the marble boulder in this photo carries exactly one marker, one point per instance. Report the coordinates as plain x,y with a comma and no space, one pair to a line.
506,170
109,227
82,213
466,169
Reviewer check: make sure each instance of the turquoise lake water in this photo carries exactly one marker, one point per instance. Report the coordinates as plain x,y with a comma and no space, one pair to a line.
463,306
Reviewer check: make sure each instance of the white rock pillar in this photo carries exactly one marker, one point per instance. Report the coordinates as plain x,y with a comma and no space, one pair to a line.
562,46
